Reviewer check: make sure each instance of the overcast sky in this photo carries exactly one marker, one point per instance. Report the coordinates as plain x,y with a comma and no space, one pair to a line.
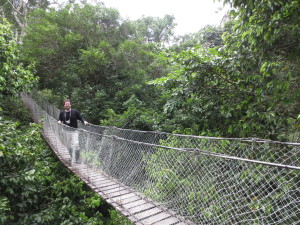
190,15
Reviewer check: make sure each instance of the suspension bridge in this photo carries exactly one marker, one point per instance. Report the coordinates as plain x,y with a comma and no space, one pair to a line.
159,178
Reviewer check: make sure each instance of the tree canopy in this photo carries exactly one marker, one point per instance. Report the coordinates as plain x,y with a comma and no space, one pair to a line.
244,73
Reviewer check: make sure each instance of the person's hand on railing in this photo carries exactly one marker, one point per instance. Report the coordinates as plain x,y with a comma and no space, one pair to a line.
59,122
86,123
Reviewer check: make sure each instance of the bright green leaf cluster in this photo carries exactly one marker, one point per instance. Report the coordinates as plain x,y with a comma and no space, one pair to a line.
14,77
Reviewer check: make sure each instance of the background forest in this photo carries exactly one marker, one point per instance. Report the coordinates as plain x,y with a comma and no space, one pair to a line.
239,79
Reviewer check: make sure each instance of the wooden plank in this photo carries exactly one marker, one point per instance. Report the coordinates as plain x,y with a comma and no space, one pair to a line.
92,174
134,204
115,190
128,200
105,184
155,218
94,179
124,197
145,214
82,168
141,208
119,193
168,221
111,187
103,179
99,177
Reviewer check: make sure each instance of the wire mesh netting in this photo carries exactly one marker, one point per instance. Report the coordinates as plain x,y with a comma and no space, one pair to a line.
206,180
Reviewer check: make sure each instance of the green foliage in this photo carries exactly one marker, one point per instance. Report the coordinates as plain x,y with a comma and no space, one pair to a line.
249,87
118,219
137,116
154,29
266,27
53,98
55,38
13,109
264,51
190,89
86,46
208,37
242,81
14,77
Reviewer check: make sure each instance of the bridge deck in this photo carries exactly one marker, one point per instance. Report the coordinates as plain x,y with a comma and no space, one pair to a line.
135,206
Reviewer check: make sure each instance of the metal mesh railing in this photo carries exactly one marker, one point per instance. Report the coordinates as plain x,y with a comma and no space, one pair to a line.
206,180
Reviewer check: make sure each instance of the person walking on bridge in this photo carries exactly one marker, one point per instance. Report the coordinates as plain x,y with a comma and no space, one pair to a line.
69,117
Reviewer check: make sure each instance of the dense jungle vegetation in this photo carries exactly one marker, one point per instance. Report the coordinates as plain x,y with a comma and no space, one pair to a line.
239,79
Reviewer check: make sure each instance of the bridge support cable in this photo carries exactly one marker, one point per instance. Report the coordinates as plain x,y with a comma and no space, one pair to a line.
162,178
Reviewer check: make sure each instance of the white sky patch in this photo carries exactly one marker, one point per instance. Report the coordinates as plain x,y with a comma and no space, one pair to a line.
190,15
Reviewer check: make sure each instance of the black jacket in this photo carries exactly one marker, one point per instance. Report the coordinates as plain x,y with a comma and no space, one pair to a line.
75,115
